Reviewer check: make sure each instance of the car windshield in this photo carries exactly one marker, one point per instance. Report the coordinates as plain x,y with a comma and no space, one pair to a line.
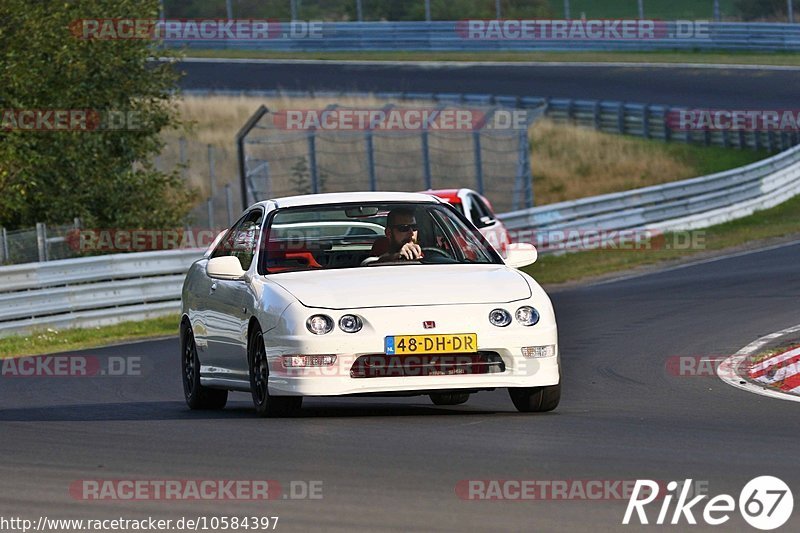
350,236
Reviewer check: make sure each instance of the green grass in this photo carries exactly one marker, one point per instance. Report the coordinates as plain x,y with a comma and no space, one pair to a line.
50,340
728,58
779,221
672,10
709,159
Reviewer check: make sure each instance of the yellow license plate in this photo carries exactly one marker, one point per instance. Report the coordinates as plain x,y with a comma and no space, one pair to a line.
421,344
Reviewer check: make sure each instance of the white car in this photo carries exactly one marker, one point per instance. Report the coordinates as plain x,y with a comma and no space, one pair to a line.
479,211
291,303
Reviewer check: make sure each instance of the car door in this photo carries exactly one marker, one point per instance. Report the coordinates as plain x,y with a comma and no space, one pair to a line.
485,220
227,315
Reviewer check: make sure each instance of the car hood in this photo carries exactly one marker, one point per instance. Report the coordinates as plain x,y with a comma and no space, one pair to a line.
402,285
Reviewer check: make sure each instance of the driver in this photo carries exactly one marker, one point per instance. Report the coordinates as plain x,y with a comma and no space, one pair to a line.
401,230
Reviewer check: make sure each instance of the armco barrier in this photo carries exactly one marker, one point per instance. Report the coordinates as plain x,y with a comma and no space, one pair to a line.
92,291
688,204
451,36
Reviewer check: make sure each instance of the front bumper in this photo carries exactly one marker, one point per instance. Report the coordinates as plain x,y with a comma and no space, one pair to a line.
336,380
291,338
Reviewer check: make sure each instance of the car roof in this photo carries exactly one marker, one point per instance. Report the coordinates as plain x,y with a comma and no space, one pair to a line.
349,197
451,195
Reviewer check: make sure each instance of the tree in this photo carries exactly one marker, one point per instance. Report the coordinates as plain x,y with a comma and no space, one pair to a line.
106,177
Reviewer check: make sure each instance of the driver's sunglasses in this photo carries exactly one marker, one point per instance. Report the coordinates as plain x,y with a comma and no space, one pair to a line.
404,228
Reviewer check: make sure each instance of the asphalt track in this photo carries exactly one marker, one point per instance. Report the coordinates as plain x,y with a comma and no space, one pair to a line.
393,464
746,88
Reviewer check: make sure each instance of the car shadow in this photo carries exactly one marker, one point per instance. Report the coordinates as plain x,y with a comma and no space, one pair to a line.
177,410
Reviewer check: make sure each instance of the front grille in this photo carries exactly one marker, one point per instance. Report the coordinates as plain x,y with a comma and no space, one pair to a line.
447,364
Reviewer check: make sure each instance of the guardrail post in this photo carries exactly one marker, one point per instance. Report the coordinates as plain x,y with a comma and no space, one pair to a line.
598,123
757,144
570,110
726,139
312,161
707,137
742,140
426,160
667,129
41,240
621,118
3,245
476,148
370,147
646,121
771,141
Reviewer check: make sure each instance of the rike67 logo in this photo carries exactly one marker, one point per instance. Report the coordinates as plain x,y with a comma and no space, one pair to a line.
765,503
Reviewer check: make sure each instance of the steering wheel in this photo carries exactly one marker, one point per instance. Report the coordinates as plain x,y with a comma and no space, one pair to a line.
434,253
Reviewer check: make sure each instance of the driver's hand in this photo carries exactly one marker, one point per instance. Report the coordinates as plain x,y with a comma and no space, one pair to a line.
410,251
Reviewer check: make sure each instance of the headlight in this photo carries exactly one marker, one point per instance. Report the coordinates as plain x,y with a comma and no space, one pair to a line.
350,324
319,324
527,315
500,317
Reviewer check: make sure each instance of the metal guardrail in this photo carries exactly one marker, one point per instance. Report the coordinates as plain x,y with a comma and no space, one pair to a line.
451,36
682,205
92,291
627,118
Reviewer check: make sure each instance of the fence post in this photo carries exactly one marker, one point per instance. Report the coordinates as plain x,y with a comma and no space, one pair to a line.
229,204
476,142
524,176
426,160
312,161
41,240
212,186
182,156
373,180
3,245
211,173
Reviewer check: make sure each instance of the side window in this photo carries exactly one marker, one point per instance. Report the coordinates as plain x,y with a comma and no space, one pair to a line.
477,210
242,240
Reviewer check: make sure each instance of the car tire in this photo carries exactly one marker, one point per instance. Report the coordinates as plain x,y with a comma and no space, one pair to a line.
197,396
449,398
535,399
266,404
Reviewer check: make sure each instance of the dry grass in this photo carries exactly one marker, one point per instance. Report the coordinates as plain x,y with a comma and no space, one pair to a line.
572,162
567,161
